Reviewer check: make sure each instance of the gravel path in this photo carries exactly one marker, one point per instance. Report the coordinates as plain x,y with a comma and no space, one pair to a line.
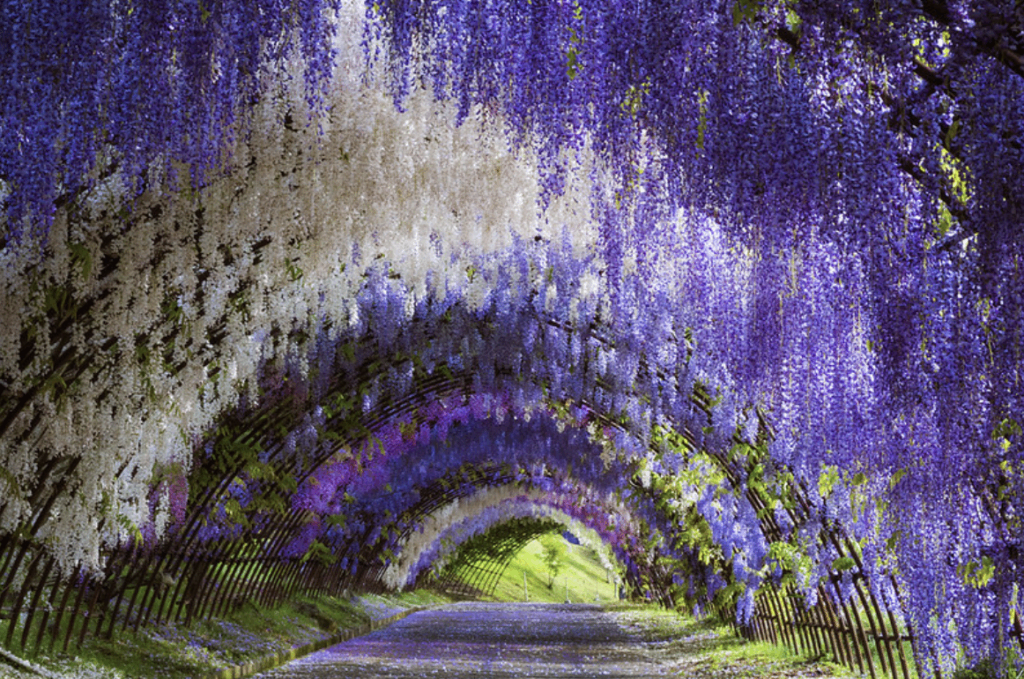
486,640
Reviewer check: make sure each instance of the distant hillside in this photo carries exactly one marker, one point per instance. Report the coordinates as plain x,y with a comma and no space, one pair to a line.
586,577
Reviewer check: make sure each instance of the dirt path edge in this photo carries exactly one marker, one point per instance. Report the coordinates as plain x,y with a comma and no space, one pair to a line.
277,659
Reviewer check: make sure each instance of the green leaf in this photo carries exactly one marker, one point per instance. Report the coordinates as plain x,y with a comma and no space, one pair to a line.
320,552
744,11
572,68
827,480
1006,429
900,473
81,255
951,133
844,563
793,20
11,482
977,575
133,531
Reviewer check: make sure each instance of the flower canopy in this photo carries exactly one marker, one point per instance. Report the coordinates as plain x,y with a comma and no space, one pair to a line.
734,284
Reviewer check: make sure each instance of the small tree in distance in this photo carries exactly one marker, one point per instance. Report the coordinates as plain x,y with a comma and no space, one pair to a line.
553,555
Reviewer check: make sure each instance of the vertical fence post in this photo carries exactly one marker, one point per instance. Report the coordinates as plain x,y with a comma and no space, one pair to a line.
34,604
20,600
47,612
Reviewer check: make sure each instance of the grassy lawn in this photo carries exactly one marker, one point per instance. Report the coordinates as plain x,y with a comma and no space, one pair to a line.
581,572
250,633
704,650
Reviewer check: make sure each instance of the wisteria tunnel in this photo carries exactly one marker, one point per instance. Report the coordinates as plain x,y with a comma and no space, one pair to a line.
317,297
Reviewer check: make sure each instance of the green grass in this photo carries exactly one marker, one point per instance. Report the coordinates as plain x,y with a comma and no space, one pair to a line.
582,572
250,633
708,650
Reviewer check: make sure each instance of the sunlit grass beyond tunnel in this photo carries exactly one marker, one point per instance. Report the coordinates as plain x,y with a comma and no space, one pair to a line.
581,577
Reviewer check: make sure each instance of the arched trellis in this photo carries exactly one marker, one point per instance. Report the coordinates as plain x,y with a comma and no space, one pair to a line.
160,580
552,495
842,617
448,485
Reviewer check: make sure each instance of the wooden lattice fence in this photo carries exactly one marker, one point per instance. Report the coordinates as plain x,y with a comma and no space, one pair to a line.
858,633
